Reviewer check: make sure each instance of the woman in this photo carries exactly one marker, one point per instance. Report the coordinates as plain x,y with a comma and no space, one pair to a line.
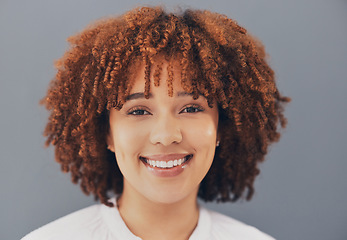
159,109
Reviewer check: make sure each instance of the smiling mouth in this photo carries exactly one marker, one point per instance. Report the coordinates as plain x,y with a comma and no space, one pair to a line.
167,164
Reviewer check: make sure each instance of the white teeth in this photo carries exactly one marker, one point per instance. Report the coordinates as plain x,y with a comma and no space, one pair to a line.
164,164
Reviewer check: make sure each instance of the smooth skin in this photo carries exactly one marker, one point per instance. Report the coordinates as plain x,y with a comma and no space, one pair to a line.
155,207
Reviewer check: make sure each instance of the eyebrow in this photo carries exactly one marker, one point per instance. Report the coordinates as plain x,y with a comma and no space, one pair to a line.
140,95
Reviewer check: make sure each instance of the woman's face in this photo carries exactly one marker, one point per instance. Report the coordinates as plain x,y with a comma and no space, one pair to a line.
164,145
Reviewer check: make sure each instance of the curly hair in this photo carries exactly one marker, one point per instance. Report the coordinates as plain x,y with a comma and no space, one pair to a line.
218,59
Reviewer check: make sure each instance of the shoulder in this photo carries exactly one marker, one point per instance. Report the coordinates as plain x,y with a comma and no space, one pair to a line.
77,225
225,227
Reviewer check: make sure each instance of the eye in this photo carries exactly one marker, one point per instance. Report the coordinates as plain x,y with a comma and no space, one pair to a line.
192,109
138,112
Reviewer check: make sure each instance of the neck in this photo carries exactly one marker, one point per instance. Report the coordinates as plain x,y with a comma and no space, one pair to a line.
156,220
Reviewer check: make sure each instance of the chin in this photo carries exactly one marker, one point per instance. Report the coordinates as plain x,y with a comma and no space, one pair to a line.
168,196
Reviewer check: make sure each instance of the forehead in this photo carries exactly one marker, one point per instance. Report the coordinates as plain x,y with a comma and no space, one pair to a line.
163,75
166,75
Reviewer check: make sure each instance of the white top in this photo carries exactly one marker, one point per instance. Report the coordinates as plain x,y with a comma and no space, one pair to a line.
99,222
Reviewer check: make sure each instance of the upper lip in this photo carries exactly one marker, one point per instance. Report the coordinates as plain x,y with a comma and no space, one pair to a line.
165,157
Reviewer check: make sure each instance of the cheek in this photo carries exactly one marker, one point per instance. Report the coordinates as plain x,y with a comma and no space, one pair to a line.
125,135
127,140
201,133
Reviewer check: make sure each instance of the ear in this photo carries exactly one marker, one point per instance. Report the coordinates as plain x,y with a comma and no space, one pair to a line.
218,140
219,137
109,141
219,126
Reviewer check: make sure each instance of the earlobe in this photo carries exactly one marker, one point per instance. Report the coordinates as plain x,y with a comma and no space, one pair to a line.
218,139
109,141
111,148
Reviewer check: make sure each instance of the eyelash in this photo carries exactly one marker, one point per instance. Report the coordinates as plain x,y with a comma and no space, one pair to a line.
136,110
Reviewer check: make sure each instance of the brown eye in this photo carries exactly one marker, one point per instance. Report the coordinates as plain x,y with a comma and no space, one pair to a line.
138,112
192,109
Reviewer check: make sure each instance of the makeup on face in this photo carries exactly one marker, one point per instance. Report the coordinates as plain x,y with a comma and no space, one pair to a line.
164,146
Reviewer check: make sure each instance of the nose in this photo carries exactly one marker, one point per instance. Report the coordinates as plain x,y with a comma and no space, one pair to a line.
166,130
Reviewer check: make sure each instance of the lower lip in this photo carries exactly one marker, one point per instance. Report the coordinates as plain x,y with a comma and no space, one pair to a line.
167,172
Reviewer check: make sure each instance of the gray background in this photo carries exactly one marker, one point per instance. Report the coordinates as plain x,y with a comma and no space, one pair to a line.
301,191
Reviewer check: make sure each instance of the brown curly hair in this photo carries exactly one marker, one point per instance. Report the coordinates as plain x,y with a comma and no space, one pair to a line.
217,58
